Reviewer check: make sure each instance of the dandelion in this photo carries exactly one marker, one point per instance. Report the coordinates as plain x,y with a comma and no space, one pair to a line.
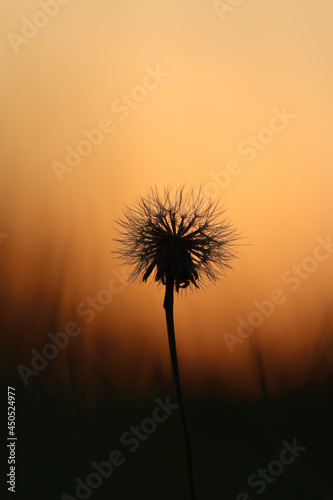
183,241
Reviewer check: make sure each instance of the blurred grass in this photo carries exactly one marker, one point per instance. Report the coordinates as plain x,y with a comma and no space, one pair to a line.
59,437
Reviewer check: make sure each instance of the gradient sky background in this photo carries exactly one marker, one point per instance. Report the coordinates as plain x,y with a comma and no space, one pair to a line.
225,78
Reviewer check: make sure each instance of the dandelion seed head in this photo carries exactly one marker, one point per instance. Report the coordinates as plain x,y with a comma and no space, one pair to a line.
180,234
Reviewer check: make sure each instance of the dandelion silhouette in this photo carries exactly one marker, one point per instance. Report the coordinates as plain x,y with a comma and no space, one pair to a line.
182,239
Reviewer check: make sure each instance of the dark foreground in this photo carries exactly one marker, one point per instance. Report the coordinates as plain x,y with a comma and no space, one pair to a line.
99,446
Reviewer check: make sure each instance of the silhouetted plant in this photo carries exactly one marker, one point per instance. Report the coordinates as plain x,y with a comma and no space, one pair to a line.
184,241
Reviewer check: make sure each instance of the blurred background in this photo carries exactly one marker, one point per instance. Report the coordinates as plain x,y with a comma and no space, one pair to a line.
100,101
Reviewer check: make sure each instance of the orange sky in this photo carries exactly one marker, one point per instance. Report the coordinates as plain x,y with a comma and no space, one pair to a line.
201,89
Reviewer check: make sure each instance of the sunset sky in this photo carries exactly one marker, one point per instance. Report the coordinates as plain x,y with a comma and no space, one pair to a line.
169,93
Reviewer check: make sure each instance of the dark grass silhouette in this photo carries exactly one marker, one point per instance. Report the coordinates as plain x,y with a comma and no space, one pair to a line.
268,423
184,241
60,440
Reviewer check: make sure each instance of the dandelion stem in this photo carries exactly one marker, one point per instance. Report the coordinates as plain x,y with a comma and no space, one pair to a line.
168,306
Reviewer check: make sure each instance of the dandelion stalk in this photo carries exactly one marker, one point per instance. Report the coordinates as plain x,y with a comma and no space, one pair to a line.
168,306
184,241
